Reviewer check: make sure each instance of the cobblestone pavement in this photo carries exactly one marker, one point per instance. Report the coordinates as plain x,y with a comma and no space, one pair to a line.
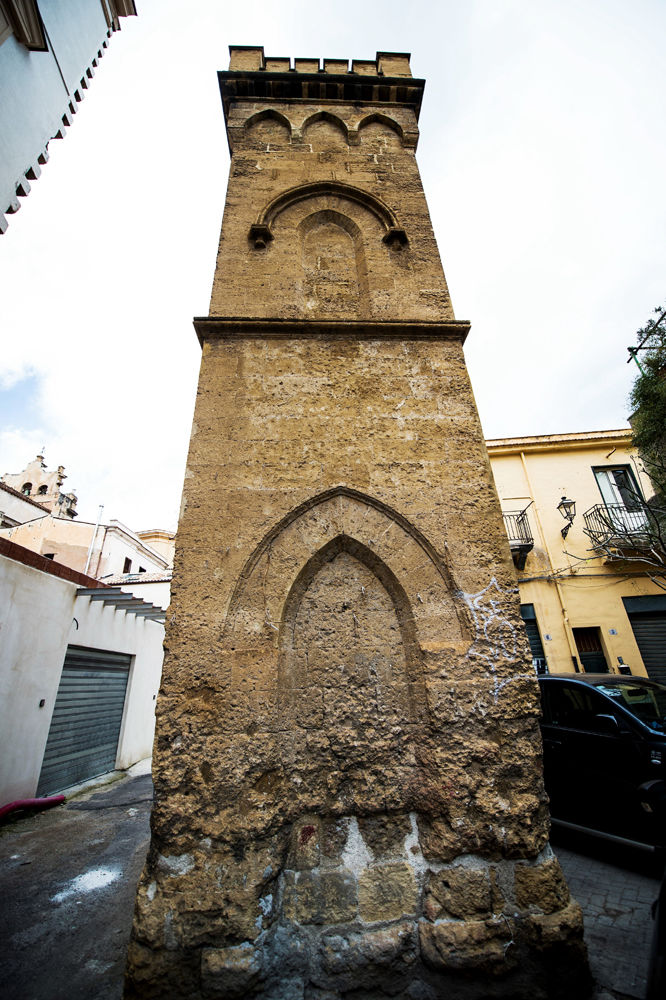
615,889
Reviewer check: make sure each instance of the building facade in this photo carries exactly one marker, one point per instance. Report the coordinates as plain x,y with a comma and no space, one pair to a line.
48,53
589,597
37,483
80,668
347,772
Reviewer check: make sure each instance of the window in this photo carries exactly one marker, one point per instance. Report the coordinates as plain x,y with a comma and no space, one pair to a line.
622,499
142,569
26,489
49,555
42,491
575,707
127,565
618,485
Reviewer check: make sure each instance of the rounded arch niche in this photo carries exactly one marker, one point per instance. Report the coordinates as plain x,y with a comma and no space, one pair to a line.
334,265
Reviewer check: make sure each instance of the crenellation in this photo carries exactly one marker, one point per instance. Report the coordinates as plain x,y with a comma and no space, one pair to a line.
306,65
251,59
336,66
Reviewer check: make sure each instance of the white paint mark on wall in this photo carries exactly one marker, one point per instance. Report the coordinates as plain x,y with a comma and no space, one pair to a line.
96,878
177,864
497,632
413,848
356,855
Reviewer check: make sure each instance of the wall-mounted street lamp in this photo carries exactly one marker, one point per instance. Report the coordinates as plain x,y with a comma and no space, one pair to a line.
567,509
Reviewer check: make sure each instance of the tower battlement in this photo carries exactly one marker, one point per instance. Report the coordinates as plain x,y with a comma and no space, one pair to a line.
251,59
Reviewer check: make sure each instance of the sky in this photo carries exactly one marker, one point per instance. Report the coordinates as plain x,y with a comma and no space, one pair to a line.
543,157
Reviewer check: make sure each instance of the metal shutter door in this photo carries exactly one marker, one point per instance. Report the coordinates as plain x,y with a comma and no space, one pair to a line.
83,738
650,632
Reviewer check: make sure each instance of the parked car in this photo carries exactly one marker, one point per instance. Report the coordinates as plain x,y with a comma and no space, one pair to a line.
604,754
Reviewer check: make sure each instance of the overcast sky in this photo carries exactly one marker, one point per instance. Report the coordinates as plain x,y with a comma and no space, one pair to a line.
543,155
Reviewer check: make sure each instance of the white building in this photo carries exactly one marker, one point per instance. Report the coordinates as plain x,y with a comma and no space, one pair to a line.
80,667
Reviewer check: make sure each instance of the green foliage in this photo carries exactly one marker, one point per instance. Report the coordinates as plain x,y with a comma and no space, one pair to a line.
648,399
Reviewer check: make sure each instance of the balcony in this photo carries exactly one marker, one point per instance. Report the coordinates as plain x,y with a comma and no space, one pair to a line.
618,529
521,541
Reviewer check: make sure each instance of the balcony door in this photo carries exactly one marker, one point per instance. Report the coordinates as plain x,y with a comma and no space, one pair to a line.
622,497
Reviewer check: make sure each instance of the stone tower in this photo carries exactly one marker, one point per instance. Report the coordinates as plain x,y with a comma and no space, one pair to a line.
347,768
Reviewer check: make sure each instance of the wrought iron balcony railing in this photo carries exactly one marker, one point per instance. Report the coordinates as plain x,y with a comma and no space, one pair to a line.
521,541
613,523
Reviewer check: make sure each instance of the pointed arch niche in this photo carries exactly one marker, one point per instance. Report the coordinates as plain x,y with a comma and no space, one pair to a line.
337,618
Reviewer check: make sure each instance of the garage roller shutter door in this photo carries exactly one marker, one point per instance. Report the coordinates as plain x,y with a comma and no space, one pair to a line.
650,632
83,738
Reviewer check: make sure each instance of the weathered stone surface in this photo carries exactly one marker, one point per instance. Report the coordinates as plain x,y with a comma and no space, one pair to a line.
459,891
347,731
541,886
481,945
387,892
229,972
326,898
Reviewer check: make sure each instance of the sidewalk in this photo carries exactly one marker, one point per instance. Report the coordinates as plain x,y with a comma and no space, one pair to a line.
616,902
68,879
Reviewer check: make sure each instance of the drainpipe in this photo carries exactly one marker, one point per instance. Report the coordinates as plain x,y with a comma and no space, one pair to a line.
92,540
573,651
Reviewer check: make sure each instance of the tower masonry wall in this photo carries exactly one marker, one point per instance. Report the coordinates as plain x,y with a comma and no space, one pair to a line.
349,801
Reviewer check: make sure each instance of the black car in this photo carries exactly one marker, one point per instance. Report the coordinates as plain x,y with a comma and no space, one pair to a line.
604,754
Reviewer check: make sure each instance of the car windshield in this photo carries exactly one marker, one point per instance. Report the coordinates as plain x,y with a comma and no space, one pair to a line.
647,703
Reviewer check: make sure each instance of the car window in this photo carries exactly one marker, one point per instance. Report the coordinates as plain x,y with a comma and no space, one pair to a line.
647,703
575,707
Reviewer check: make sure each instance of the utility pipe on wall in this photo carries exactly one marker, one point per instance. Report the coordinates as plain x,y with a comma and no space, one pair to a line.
92,540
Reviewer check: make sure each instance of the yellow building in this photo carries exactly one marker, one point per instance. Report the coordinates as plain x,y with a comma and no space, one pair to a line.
587,598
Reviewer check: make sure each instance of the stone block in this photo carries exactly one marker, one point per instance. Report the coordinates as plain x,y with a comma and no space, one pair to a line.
387,892
541,886
348,953
229,972
467,945
314,898
459,892
305,844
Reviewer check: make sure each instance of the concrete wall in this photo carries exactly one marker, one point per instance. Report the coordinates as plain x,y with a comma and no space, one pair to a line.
40,615
36,612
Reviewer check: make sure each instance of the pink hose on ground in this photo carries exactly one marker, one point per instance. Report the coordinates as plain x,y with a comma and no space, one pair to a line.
45,803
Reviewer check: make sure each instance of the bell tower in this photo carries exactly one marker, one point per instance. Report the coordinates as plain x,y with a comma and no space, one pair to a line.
347,766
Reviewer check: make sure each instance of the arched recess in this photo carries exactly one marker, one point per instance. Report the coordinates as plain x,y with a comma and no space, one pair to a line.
324,129
261,232
334,265
257,606
377,118
348,654
268,126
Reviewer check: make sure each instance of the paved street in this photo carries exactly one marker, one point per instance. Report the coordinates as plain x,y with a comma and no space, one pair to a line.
616,891
68,878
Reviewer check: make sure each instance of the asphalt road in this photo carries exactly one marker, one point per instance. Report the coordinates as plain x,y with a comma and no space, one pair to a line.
68,878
